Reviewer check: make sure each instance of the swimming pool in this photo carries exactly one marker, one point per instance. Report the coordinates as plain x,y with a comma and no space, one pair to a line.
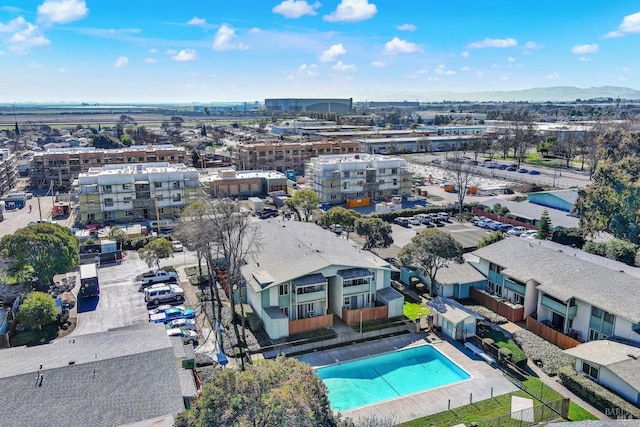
388,376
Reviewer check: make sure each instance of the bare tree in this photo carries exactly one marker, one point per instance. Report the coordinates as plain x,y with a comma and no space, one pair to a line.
460,175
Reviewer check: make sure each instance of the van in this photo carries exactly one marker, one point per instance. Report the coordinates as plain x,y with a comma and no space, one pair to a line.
156,295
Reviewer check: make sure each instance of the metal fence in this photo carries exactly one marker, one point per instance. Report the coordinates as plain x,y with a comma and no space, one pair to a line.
527,417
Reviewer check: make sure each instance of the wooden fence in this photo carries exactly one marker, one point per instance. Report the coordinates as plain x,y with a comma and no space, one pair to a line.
554,337
353,317
513,313
310,324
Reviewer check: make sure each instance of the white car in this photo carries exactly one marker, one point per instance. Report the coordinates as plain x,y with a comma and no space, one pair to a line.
516,231
188,337
177,246
530,234
186,324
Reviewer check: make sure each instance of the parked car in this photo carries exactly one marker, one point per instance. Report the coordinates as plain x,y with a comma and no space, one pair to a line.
512,168
516,231
522,170
177,246
159,276
163,307
443,216
188,336
495,225
188,324
534,172
502,166
530,234
156,295
484,224
505,227
476,219
336,228
172,314
404,222
414,221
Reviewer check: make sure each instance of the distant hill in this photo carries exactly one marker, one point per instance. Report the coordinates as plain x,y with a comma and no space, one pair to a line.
540,94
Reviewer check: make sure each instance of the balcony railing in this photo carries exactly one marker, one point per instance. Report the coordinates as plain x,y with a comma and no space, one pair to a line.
559,307
318,295
356,289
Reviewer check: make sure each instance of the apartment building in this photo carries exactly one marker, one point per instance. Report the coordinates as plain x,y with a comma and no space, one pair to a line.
143,191
61,166
346,178
227,182
283,156
8,171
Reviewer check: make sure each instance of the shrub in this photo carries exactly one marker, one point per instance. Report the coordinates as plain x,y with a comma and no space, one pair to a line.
615,249
542,352
255,324
486,342
569,237
597,395
505,353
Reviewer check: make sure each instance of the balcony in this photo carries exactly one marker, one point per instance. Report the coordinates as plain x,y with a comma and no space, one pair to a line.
303,295
495,277
356,289
558,307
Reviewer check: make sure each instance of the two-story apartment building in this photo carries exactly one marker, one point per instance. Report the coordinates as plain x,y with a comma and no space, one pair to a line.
61,166
579,294
339,179
146,191
227,182
304,275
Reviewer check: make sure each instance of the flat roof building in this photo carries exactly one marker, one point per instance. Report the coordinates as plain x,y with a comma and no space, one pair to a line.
318,105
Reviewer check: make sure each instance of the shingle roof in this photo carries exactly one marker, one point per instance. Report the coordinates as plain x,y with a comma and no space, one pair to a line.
453,274
566,276
389,294
616,356
533,212
291,249
115,379
451,310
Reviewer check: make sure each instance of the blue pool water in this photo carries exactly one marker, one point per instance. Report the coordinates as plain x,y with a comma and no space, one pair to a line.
388,376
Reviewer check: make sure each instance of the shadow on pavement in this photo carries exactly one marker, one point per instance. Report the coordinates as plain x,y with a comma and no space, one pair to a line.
87,304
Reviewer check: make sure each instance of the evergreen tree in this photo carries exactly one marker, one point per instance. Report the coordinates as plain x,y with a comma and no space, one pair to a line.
544,227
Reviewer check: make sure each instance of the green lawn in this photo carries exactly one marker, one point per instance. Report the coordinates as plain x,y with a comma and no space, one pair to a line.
503,342
495,407
414,310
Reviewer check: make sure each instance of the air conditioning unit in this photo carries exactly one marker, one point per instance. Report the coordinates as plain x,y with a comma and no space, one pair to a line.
311,314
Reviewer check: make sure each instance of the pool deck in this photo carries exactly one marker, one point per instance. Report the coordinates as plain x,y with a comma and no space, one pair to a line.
407,408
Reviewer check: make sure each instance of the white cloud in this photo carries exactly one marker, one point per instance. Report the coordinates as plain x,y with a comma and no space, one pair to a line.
121,62
584,59
533,45
552,76
396,45
185,55
34,65
150,61
153,50
504,78
332,53
62,70
339,66
580,49
479,74
255,30
308,70
511,59
352,11
493,43
295,8
171,52
418,73
465,54
223,38
378,64
630,24
197,22
406,27
465,69
62,11
441,70
21,36
626,69
623,79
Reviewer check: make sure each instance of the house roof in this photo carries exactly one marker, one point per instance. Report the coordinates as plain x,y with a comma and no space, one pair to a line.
104,379
389,294
452,310
621,359
569,195
565,273
292,249
453,274
533,212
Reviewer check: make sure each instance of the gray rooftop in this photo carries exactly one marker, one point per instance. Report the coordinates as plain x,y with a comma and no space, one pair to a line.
292,249
389,294
621,359
451,310
117,377
569,195
566,273
453,273
533,212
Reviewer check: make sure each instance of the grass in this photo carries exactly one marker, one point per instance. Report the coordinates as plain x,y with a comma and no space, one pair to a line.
495,407
414,310
501,341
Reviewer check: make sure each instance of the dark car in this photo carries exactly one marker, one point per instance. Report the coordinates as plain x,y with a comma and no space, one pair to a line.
502,167
534,172
512,168
522,170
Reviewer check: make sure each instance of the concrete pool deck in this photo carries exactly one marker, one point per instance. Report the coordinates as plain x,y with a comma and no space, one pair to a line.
407,408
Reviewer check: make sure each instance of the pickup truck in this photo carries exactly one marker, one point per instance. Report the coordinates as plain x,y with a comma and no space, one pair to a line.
159,276
172,314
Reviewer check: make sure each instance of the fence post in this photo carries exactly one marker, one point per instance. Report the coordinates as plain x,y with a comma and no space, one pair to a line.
470,397
449,405
565,407
492,392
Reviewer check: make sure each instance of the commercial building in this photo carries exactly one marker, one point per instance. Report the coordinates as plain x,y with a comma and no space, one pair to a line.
227,182
61,166
144,191
356,179
318,105
8,171
283,156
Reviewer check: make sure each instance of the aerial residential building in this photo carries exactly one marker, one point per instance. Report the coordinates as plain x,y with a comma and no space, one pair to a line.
144,191
227,182
8,171
350,178
62,166
283,156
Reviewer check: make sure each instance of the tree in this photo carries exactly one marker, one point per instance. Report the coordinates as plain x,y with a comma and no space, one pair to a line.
544,226
37,309
103,141
118,234
615,249
430,251
280,392
339,215
490,238
460,175
376,231
304,202
177,121
155,250
47,248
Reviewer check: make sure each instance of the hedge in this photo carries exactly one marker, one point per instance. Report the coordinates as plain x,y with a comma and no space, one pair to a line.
611,404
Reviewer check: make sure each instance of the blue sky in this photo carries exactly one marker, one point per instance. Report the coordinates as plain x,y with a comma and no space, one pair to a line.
249,50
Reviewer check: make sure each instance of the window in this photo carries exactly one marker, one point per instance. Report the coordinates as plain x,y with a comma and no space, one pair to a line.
596,312
517,298
108,202
176,184
126,186
285,310
159,197
128,213
177,198
284,290
347,174
107,189
608,317
594,335
590,370
394,171
127,200
346,185
157,185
